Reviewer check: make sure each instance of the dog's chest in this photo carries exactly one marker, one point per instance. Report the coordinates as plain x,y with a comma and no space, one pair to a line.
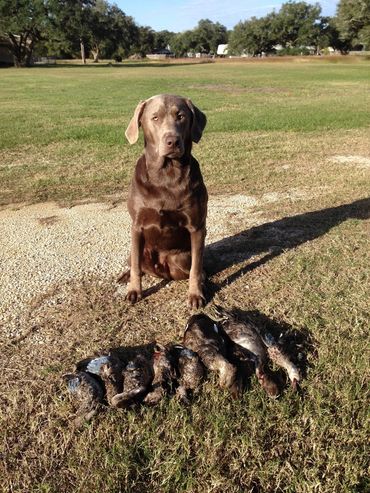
161,218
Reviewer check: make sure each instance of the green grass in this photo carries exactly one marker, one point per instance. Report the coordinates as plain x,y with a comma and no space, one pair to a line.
273,128
61,123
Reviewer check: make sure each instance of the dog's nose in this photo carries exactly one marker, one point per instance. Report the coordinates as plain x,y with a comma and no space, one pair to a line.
172,141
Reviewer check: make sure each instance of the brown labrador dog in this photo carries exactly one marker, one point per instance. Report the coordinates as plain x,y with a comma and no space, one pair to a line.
167,198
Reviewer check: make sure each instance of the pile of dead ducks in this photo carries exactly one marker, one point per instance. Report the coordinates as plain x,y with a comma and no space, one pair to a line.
231,347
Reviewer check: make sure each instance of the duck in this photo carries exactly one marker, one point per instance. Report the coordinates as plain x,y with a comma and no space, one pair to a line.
190,371
87,393
110,370
246,334
163,371
203,336
280,357
137,377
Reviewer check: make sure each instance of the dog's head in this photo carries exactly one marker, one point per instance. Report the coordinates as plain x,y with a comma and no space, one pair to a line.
170,124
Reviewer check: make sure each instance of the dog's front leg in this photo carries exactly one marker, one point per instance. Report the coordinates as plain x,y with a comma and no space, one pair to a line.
134,292
196,298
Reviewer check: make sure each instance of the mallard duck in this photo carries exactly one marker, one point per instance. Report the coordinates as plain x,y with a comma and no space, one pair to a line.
87,394
190,371
110,369
280,357
203,336
163,375
107,367
137,377
246,334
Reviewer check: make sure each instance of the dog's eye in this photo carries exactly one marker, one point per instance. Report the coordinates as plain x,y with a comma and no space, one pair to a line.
180,116
155,118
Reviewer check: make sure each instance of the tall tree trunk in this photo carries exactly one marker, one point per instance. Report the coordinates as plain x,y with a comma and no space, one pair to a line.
22,48
95,53
17,62
17,54
29,54
16,50
83,56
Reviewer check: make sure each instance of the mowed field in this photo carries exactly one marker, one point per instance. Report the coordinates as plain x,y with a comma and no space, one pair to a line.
292,140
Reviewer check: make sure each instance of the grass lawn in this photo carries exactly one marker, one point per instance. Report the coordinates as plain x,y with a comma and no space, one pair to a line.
297,132
62,129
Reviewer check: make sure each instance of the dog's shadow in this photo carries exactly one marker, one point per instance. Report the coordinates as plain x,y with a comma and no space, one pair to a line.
271,239
267,241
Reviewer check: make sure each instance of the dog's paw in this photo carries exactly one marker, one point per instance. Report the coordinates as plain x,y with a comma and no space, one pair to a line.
196,301
133,296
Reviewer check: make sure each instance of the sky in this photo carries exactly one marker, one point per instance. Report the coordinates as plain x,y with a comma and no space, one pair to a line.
179,15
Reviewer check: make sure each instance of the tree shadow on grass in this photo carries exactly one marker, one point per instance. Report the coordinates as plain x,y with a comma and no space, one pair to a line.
269,240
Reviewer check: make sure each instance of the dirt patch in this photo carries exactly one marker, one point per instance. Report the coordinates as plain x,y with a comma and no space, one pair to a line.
46,248
360,161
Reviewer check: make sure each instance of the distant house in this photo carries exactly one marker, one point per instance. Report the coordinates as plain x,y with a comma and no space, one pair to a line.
222,50
306,50
332,51
6,57
161,54
202,55
278,48
311,49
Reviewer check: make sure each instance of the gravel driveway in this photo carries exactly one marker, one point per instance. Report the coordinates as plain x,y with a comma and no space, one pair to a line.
44,246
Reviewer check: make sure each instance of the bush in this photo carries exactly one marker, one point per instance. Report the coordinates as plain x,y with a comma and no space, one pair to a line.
117,57
294,51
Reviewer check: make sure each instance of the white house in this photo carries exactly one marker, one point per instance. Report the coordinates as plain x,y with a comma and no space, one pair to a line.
222,50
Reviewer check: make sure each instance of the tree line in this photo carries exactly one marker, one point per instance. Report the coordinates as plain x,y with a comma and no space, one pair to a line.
99,29
299,25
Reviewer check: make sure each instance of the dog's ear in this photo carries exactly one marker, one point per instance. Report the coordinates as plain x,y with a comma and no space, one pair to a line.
199,122
132,131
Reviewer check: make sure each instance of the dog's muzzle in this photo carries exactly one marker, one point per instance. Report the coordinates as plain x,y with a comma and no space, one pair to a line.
172,146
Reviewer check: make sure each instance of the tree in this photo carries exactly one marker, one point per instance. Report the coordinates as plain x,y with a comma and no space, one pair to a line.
184,43
110,29
162,39
329,36
353,22
253,36
297,24
203,39
101,25
208,35
72,21
145,41
126,32
22,22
